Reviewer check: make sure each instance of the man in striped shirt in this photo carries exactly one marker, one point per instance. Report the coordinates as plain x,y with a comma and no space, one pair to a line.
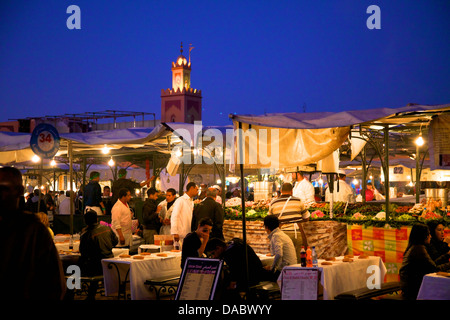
287,208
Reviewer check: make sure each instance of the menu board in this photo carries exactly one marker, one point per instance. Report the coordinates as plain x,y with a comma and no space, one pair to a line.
199,279
299,283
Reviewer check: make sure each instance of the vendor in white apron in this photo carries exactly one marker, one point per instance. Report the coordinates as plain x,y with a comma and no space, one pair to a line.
345,192
303,189
121,216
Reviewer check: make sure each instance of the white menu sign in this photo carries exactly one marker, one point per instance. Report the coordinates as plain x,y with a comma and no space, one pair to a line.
199,279
299,283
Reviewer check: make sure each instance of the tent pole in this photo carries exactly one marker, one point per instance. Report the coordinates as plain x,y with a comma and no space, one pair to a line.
364,171
41,169
244,227
417,174
84,182
386,169
223,179
69,149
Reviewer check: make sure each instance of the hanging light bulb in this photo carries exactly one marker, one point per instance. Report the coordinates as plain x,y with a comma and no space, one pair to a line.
419,141
35,158
219,181
53,163
111,162
105,149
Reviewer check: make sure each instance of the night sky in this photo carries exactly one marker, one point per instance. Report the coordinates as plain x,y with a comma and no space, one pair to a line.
249,57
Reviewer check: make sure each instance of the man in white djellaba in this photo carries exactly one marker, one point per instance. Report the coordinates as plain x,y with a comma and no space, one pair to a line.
181,219
345,193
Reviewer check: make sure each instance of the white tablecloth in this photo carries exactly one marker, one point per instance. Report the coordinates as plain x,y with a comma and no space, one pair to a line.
265,259
64,246
138,272
345,276
434,287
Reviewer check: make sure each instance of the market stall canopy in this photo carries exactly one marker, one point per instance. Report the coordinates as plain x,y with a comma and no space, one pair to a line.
15,147
321,120
283,140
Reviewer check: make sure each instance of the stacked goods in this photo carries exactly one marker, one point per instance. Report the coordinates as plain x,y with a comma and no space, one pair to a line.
328,237
255,234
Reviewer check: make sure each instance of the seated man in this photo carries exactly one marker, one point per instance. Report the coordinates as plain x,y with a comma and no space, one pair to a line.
195,242
96,243
232,253
287,208
281,246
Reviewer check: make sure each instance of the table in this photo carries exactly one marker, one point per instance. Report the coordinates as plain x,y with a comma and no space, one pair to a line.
434,287
138,271
64,246
343,276
267,260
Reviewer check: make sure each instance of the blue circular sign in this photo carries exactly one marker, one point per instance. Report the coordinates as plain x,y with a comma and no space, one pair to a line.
45,141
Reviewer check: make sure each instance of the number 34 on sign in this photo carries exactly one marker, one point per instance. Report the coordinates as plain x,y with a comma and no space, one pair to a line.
44,141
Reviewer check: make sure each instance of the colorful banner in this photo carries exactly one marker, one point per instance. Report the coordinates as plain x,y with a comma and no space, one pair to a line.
389,244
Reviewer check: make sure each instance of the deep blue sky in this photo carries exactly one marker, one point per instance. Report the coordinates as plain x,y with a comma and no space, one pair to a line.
249,57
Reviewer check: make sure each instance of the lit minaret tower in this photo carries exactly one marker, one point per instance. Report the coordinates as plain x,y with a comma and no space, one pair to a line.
181,103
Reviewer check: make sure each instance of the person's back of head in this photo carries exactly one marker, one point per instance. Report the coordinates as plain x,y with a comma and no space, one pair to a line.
94,175
43,218
11,188
61,192
68,193
36,192
271,222
90,217
286,188
213,243
211,193
122,173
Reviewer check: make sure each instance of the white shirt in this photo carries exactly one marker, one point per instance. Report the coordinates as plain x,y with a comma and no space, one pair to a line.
64,206
181,218
345,193
304,190
282,248
121,219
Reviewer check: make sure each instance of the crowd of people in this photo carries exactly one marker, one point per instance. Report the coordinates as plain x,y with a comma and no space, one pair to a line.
30,266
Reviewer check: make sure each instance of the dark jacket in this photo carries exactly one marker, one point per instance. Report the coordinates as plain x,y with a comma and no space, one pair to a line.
417,263
234,259
30,267
437,248
96,243
209,208
92,194
33,204
191,244
150,218
122,184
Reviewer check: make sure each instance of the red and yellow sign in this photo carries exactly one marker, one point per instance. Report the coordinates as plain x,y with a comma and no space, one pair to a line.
387,243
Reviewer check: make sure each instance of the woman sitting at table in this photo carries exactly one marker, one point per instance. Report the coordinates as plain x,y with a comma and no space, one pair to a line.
96,243
439,245
417,262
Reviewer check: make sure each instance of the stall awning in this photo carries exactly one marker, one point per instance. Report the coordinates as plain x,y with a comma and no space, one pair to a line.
319,120
284,140
15,147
